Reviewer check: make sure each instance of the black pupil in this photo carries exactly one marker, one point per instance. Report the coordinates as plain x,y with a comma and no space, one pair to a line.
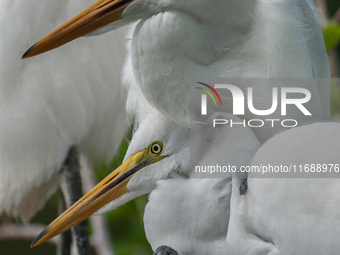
156,148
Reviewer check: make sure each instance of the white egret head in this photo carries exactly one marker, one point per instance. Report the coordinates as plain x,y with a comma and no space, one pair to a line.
163,147
159,148
106,15
177,43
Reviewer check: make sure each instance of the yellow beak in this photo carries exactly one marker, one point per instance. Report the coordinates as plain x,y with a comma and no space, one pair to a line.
110,188
94,17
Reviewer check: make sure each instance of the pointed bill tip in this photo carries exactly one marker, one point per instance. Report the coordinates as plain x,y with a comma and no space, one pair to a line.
38,238
109,189
28,53
100,14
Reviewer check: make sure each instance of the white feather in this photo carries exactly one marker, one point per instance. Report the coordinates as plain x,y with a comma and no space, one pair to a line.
175,45
288,214
70,96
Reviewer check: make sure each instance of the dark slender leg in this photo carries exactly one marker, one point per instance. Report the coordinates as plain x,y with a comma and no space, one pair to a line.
71,186
64,245
165,250
244,187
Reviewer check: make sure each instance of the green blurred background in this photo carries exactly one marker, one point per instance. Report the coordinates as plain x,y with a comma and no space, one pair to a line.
126,223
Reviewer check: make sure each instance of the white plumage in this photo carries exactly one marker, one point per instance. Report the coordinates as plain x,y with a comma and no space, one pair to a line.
175,45
61,99
171,46
281,39
289,214
189,211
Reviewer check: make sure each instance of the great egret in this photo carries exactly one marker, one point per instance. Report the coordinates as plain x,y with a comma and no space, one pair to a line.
288,214
262,221
52,103
165,156
173,45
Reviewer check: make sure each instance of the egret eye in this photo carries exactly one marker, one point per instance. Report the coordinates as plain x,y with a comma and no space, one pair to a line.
156,148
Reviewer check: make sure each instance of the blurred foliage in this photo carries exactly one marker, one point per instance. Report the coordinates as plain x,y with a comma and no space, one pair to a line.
332,35
332,6
335,99
332,41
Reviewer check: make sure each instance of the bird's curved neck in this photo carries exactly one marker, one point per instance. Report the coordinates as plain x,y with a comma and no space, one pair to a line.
176,46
